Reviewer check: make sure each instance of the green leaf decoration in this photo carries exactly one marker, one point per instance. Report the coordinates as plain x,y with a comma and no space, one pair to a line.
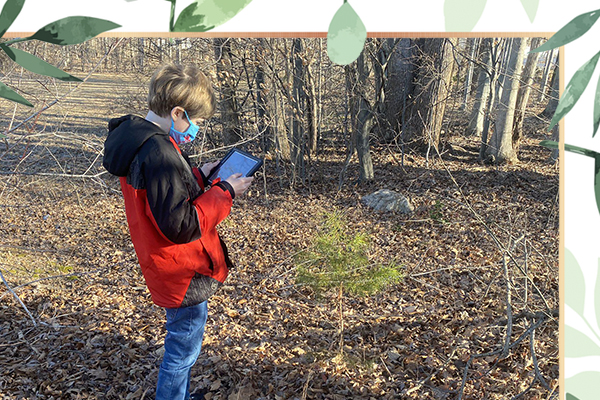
597,109
577,344
73,30
531,7
551,144
10,94
34,64
574,89
463,15
571,31
583,386
574,283
597,180
9,13
597,295
204,15
578,150
346,36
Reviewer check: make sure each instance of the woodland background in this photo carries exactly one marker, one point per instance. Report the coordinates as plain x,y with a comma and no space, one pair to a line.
452,124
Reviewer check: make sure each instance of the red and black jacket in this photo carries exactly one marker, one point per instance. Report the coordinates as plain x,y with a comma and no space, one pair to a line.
172,219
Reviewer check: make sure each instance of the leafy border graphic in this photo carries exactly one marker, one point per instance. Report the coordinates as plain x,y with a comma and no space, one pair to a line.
346,37
573,30
583,340
463,15
66,31
577,342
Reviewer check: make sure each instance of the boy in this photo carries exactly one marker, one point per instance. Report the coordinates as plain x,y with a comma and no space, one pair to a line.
172,219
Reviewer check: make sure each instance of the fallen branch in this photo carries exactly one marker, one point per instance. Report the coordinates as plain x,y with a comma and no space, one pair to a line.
509,315
18,299
458,268
434,373
533,327
495,239
55,277
83,176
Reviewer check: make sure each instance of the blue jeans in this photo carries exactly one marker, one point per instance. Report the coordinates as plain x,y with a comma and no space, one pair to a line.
185,329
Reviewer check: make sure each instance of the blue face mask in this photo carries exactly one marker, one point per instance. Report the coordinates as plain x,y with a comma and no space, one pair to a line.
184,137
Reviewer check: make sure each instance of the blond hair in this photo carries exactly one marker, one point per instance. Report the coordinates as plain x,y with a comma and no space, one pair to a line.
184,86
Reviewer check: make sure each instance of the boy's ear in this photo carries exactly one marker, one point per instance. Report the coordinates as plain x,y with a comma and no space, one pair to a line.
176,112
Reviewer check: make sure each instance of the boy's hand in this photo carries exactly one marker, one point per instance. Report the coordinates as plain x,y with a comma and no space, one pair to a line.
208,167
239,184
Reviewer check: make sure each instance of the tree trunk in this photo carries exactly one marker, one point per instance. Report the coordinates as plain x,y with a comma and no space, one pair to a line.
312,109
483,91
282,142
495,57
298,96
397,86
553,103
474,44
364,124
547,69
141,55
227,82
506,45
433,81
524,93
501,146
319,108
361,119
263,123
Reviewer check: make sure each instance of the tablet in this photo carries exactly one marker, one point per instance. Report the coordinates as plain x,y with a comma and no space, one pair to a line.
236,161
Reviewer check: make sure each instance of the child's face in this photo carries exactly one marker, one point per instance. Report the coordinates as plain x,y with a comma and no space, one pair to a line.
180,119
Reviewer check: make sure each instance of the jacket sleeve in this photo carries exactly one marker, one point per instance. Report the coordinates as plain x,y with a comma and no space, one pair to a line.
200,178
179,218
203,182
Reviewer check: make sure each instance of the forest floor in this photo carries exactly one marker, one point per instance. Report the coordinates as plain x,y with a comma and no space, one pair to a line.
437,334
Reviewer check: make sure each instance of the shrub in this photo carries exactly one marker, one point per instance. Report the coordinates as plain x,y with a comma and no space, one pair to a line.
337,259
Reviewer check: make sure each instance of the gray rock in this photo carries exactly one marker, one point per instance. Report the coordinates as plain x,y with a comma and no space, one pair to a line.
388,200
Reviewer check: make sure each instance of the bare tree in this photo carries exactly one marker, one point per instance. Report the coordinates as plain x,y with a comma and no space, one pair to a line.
483,90
472,49
524,92
553,102
433,76
227,82
297,115
501,146
263,114
547,70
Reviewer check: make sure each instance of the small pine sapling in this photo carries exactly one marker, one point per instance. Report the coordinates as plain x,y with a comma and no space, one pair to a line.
339,260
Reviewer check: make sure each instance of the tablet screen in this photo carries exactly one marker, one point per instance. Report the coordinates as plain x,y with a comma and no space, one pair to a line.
235,163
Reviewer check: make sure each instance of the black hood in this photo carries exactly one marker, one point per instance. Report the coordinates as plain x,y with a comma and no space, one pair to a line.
126,135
